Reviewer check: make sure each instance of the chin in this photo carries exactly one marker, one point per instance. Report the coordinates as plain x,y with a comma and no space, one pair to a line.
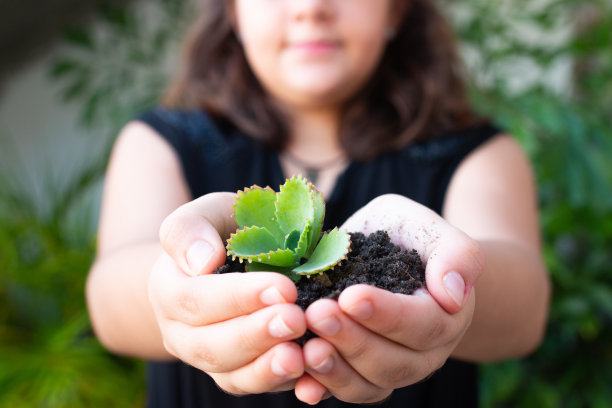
319,100
319,92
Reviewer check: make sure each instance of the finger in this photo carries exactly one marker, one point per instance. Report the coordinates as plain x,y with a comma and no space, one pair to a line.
331,371
453,267
309,390
225,346
453,260
379,360
417,321
275,370
207,299
193,234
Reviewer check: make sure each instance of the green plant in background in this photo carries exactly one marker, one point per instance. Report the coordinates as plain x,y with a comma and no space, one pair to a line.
278,230
567,131
49,356
119,67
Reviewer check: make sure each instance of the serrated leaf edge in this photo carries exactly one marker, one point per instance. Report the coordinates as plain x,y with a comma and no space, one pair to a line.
303,243
294,178
249,258
240,193
260,257
332,266
315,231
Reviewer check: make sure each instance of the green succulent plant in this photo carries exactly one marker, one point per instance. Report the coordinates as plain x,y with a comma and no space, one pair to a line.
280,231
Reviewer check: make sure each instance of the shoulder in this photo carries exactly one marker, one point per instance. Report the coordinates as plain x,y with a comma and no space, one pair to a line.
500,157
196,134
133,141
188,121
181,126
451,146
145,150
493,191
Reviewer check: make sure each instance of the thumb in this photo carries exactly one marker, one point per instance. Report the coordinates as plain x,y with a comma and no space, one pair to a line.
193,234
453,267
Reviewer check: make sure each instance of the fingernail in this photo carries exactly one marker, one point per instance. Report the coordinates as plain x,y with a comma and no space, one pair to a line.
278,328
455,287
362,310
328,326
272,296
277,368
198,256
325,366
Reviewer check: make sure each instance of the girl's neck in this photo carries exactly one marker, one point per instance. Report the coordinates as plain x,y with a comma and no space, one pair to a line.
314,136
314,149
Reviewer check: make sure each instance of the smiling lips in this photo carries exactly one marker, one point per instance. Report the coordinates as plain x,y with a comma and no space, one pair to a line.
314,47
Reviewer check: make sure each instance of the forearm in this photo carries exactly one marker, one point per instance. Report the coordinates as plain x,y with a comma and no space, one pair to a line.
512,298
119,307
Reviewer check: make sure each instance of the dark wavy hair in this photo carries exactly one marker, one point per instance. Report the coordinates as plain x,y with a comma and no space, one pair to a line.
416,92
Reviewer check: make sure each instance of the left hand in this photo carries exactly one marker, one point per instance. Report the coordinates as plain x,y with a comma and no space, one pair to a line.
372,341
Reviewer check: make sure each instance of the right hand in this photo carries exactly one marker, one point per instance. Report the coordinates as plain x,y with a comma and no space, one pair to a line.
237,327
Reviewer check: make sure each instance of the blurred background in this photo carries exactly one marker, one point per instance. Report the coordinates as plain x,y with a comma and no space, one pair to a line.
74,71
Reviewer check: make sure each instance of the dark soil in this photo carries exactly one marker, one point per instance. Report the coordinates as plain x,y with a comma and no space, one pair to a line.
373,260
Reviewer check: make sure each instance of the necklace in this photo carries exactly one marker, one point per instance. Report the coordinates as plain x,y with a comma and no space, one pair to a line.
312,171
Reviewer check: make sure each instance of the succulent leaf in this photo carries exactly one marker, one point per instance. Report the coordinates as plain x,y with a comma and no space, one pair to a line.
317,224
255,207
252,241
278,230
256,244
294,205
302,246
292,240
332,248
280,257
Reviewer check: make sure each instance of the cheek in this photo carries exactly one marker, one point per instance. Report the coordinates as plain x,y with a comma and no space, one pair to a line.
261,58
260,35
256,24
366,54
368,30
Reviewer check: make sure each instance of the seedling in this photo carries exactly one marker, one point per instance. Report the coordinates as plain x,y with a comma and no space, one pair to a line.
280,231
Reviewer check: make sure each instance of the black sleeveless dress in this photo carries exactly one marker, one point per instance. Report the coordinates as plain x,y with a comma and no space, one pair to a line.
215,158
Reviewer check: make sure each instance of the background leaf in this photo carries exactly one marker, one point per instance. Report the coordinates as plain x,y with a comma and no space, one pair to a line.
566,127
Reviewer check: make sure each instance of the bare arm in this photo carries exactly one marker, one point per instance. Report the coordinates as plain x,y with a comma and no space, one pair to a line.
144,184
492,198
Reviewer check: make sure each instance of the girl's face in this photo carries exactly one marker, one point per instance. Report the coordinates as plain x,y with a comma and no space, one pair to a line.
313,53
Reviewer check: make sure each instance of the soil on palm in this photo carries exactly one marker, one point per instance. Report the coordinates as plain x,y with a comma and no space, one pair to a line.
372,260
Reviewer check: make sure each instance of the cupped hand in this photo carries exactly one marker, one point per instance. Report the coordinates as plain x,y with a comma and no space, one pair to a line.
235,327
373,341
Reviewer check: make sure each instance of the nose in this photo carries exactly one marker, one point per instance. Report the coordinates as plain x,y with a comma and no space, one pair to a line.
316,10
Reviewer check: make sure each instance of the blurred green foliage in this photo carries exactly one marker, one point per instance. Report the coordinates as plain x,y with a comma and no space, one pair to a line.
565,124
542,70
49,356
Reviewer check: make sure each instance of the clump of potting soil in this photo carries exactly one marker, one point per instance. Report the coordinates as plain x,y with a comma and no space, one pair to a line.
373,260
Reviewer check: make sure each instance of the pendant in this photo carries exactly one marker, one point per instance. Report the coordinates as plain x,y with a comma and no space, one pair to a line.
312,175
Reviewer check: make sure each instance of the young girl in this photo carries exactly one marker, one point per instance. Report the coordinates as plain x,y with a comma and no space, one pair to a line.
363,97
